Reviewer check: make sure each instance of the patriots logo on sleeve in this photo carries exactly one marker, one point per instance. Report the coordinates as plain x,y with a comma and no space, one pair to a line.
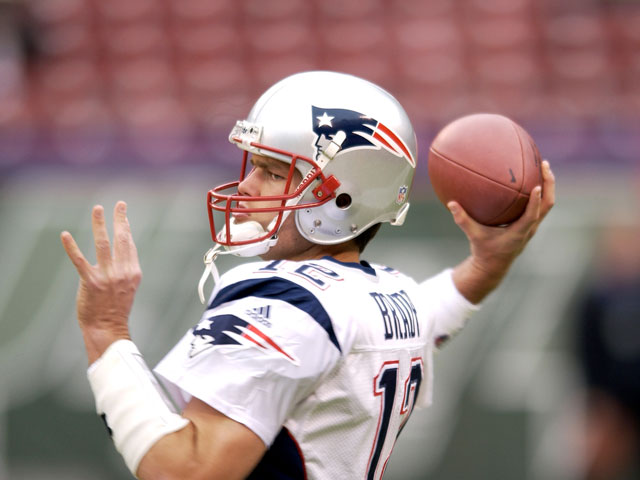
231,330
350,129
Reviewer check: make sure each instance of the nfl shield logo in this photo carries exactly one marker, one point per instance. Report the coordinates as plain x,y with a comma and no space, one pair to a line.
402,194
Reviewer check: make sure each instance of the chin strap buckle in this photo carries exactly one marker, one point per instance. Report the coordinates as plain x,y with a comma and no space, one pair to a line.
209,269
326,188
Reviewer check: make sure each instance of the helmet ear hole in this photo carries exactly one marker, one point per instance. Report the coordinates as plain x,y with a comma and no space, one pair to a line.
343,201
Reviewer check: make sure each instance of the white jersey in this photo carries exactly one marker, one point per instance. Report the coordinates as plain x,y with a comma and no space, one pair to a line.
323,360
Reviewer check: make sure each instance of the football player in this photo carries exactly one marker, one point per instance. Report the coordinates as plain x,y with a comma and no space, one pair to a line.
309,363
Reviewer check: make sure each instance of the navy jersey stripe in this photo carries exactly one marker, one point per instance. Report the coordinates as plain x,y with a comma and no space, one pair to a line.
283,460
279,289
363,265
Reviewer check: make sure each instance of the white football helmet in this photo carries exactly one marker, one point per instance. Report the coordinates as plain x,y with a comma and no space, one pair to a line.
354,146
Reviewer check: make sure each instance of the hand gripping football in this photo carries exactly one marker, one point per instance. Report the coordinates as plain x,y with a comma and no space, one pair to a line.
487,163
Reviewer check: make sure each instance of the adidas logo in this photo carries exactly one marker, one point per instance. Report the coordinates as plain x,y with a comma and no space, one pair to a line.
260,315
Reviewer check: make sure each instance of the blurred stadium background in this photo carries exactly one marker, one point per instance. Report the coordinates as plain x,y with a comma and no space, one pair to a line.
133,99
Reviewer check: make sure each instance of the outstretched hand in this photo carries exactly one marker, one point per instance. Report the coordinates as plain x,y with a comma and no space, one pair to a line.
493,249
107,289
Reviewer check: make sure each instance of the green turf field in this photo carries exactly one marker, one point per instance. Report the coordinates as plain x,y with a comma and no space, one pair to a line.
503,388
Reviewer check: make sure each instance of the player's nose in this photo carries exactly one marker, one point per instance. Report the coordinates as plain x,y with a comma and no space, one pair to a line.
250,185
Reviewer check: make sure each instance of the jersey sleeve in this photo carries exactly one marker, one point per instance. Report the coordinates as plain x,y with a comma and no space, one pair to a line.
260,347
449,310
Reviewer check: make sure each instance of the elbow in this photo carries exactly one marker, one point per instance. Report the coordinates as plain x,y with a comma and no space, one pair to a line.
181,464
172,458
172,469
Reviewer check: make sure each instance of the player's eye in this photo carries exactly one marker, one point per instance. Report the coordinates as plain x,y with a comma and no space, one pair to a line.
275,177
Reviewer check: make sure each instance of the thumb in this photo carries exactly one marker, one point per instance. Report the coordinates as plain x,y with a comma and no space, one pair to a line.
460,217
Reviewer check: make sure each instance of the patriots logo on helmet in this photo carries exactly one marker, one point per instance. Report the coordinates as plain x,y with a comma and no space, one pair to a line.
347,129
232,330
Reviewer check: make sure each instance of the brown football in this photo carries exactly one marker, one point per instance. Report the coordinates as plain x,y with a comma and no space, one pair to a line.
487,163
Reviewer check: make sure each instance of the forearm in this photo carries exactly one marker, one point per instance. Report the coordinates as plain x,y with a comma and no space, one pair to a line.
494,249
97,340
475,280
154,440
448,308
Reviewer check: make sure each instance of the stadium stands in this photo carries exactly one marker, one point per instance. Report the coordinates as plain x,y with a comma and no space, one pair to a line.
188,66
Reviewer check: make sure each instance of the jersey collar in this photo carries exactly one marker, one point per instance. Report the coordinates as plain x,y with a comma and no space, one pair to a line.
363,266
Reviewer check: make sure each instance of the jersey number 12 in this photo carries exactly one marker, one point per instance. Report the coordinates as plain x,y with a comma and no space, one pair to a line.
385,385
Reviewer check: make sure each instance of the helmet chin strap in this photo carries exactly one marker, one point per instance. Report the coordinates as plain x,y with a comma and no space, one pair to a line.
239,232
250,230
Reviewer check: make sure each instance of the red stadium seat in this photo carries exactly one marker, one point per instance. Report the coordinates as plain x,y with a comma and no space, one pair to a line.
17,128
220,113
68,78
68,41
503,69
580,66
266,70
372,67
442,58
497,7
197,11
434,106
433,70
420,9
141,77
201,40
500,34
129,11
82,130
340,10
424,35
627,22
279,38
135,40
275,10
213,77
58,12
573,31
353,37
158,129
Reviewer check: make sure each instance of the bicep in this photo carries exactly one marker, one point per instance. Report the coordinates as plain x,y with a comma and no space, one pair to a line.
211,446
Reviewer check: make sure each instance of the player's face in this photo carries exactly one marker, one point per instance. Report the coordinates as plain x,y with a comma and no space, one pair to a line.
268,177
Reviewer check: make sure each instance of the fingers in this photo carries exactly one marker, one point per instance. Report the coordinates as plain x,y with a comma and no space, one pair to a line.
74,253
467,224
100,237
541,201
549,182
124,248
532,213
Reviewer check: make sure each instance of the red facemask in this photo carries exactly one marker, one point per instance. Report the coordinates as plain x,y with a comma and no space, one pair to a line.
228,203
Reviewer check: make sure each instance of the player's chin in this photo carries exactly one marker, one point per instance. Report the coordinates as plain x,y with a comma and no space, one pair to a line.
264,221
241,217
